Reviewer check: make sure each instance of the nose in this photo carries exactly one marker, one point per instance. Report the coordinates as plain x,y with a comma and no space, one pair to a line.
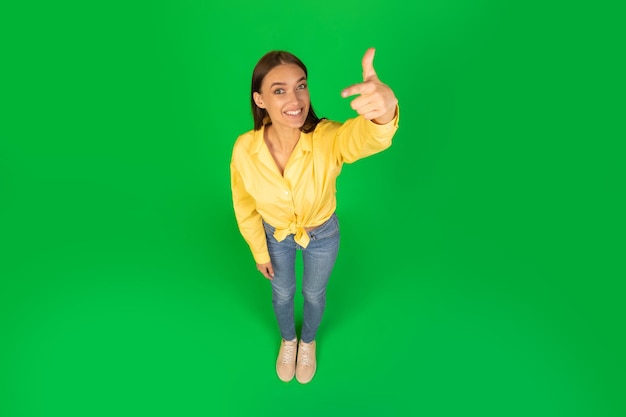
293,96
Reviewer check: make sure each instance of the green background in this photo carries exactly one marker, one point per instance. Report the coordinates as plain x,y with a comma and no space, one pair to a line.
482,261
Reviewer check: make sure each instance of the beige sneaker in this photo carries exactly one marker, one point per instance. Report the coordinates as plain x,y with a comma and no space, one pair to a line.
286,362
306,362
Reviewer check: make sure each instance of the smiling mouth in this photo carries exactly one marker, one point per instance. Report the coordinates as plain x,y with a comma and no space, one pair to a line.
294,112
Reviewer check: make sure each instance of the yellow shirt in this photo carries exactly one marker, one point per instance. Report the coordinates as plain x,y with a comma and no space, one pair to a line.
304,196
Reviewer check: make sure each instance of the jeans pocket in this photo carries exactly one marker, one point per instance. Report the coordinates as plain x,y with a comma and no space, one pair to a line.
269,231
328,229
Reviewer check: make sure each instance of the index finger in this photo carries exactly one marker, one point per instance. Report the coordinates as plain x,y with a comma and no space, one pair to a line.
354,89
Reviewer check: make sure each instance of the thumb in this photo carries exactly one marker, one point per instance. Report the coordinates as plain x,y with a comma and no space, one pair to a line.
368,64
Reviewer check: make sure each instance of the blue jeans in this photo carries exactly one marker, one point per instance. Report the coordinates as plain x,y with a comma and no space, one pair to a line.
318,261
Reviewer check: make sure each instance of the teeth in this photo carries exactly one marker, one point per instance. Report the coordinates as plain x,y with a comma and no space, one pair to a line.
294,112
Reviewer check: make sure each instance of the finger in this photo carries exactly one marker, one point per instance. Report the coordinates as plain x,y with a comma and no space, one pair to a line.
371,110
368,64
360,88
362,101
375,114
262,269
270,271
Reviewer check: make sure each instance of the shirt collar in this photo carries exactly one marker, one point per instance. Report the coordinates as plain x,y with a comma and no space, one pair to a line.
306,141
258,140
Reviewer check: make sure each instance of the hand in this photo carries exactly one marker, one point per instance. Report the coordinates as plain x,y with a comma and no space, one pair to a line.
266,270
376,102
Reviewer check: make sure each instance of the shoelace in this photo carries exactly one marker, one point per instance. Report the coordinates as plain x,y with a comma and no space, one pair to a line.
288,353
305,356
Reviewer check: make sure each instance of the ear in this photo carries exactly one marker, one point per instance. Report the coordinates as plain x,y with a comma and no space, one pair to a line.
258,100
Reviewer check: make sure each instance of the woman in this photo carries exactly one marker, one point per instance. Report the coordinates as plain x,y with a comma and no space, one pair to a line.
283,175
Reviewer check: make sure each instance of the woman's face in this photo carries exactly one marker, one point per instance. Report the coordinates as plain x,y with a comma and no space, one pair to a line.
285,96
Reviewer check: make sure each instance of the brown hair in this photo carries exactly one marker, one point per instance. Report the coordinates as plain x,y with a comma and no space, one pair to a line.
265,65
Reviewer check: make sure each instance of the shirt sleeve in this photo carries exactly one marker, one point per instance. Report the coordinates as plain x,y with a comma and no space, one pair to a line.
248,218
358,138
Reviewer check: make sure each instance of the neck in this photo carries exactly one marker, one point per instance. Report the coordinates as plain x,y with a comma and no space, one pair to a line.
282,139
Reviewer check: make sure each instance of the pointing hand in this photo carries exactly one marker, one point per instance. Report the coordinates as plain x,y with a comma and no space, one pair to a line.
376,101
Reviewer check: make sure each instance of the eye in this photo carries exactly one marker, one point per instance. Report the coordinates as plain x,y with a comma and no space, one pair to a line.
279,91
302,87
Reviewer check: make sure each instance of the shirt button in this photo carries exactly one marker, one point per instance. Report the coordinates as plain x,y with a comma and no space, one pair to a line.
286,192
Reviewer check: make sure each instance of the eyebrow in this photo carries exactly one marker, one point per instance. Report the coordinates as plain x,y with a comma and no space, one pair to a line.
280,83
